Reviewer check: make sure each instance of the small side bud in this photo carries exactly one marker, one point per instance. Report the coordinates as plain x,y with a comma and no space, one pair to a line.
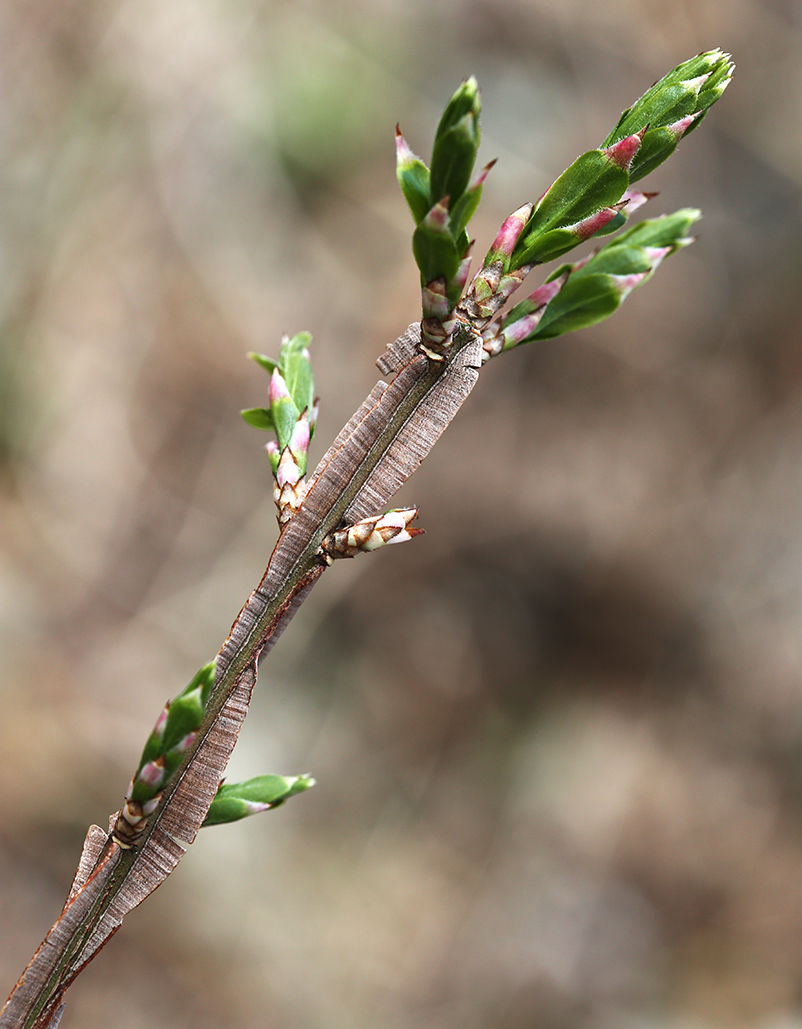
237,800
278,388
371,534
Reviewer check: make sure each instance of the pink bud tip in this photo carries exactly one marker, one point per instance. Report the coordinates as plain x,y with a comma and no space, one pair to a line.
697,83
272,447
437,218
590,226
549,290
278,387
152,773
510,232
480,178
182,745
402,150
299,439
655,255
161,721
679,128
622,153
635,198
626,283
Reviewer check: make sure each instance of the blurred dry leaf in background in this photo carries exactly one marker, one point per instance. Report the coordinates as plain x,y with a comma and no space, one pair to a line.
565,790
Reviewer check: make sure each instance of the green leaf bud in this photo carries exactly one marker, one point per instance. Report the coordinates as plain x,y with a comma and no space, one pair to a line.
283,409
673,107
465,208
296,370
184,717
234,801
456,143
413,178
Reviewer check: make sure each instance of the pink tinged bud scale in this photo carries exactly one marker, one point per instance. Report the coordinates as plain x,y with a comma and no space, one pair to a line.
371,534
152,773
278,387
434,300
161,721
509,234
656,255
520,330
590,226
623,153
299,439
464,270
624,284
183,744
680,127
437,218
402,151
636,198
151,805
288,470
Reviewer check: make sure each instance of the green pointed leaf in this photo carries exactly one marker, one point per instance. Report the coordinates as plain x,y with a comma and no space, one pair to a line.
466,100
453,159
456,143
598,285
461,214
592,183
668,230
618,260
413,178
580,303
259,418
548,247
297,371
263,361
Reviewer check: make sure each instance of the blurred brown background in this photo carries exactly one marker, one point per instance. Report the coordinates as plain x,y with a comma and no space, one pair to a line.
559,738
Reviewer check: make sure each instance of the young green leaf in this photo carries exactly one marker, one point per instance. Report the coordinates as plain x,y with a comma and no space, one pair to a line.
259,418
456,143
413,178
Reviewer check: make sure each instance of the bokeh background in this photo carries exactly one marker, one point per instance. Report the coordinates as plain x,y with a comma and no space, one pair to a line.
558,739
